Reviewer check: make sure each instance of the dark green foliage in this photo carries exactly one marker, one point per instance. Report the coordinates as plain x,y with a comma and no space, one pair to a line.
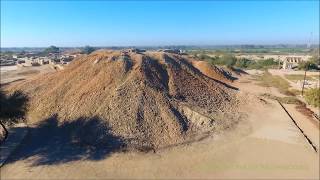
13,107
88,50
52,49
224,60
244,63
231,61
263,64
308,65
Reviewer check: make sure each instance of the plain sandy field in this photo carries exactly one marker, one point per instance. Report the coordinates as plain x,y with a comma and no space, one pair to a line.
18,73
266,144
294,85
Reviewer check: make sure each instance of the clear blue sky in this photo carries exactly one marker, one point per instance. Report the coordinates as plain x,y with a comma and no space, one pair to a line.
111,23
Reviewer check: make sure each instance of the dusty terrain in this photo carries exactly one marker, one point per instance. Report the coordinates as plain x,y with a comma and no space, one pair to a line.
258,140
11,74
312,80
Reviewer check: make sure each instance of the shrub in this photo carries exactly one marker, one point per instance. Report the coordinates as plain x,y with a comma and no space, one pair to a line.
244,63
263,64
268,80
284,100
13,107
226,60
312,97
307,65
231,61
87,50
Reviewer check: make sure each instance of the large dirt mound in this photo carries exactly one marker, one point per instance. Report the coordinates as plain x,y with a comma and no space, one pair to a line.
150,100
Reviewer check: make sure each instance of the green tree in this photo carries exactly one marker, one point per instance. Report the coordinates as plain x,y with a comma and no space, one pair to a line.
244,63
88,50
12,108
315,59
307,65
52,49
228,60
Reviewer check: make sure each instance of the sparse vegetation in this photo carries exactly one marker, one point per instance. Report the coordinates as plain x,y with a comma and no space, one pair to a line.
297,77
295,91
268,80
284,100
264,64
12,109
88,50
231,61
312,97
311,64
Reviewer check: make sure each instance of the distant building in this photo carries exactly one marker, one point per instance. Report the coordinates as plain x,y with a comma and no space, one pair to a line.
182,51
291,62
273,56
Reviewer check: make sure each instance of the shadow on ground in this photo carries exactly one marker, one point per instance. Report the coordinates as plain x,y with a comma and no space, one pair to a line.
12,110
238,71
81,139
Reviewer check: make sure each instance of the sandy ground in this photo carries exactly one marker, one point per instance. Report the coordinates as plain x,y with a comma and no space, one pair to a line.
266,145
10,74
310,128
284,71
298,84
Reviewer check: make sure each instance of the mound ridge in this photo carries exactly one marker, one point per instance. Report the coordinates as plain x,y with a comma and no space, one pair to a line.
151,100
213,71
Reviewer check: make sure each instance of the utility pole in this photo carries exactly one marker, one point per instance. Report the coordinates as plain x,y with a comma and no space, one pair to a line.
310,41
307,68
304,79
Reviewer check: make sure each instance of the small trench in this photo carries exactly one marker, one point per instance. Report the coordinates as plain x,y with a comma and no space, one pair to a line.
316,116
307,138
182,119
140,114
161,72
128,64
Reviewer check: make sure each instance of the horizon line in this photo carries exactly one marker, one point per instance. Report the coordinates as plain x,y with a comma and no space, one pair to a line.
245,44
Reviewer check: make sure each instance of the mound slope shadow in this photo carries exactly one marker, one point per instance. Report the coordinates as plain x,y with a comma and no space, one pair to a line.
80,139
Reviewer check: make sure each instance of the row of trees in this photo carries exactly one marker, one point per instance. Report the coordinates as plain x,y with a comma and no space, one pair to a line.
55,50
231,61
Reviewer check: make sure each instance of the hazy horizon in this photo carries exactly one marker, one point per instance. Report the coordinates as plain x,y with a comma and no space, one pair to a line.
141,23
172,45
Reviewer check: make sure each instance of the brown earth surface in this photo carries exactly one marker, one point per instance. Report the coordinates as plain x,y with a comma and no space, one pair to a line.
212,71
149,101
265,144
